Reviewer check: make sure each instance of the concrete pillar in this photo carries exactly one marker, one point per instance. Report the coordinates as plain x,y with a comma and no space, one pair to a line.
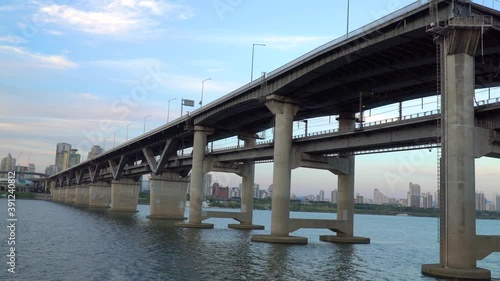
284,111
99,195
70,195
247,186
196,186
124,195
168,196
53,191
457,252
82,195
62,194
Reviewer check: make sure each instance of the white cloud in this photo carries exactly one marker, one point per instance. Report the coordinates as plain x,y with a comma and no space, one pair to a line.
117,17
12,39
88,96
37,59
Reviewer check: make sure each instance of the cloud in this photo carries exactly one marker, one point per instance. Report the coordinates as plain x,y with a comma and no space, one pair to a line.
117,17
12,39
88,96
37,59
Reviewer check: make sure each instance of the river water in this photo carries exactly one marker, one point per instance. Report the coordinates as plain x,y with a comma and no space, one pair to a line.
60,242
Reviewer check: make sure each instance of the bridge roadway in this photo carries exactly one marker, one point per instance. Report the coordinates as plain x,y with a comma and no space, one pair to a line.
391,60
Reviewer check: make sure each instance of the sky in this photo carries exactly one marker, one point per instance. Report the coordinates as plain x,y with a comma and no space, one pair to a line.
98,72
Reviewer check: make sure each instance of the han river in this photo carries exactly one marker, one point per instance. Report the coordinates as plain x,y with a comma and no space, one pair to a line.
60,242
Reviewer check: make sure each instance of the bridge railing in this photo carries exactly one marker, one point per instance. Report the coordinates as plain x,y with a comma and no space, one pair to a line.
479,123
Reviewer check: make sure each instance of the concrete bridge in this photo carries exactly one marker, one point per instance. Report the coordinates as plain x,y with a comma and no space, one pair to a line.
443,47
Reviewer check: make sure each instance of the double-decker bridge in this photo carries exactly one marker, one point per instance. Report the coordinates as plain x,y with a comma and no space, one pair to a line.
447,48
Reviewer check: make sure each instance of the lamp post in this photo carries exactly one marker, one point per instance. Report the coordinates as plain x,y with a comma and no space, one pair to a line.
114,139
253,49
203,84
126,137
145,117
168,110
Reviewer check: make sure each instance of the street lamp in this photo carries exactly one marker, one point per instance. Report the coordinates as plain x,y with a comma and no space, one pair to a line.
203,84
253,48
168,111
114,139
126,138
145,122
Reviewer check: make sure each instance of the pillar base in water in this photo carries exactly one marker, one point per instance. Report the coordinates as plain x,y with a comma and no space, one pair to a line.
245,226
122,211
194,225
436,270
279,239
344,240
174,218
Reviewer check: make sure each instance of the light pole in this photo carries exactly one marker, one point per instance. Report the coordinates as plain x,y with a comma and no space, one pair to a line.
114,139
203,84
253,48
144,131
126,138
168,111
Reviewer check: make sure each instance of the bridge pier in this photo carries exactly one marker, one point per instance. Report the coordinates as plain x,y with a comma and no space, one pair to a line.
345,205
70,195
124,195
168,196
99,195
460,247
82,195
284,110
247,185
196,190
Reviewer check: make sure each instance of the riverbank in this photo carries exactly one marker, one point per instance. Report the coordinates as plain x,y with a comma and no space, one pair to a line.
327,207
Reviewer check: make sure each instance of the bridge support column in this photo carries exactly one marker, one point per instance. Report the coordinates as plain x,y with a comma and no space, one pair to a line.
196,189
168,196
284,110
82,195
124,195
248,182
345,205
458,228
70,195
99,195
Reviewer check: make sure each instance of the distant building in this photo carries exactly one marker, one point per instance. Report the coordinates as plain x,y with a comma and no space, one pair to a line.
480,202
234,192
490,207
62,155
426,200
8,163
334,197
220,192
498,202
207,184
256,192
321,195
73,158
94,151
51,170
359,199
414,195
270,190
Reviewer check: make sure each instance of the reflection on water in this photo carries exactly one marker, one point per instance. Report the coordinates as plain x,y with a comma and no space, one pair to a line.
60,242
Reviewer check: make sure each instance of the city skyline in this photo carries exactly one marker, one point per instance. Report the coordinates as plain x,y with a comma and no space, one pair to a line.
88,71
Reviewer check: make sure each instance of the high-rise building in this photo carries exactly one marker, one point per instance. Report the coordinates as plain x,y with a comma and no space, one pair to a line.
220,192
51,170
426,200
480,202
62,155
207,184
94,151
359,199
498,202
73,158
8,163
490,207
321,195
234,192
414,195
334,196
